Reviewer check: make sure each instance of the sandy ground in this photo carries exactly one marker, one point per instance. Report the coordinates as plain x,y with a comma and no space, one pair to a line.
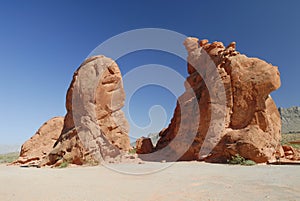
180,181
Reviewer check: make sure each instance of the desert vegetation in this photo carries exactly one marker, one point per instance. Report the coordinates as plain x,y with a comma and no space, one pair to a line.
9,157
290,137
239,160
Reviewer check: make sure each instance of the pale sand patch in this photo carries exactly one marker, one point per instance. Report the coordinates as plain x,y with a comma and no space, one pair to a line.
181,181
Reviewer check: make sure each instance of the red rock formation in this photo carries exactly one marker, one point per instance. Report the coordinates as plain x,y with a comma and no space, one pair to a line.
235,114
225,110
290,153
144,145
94,124
38,147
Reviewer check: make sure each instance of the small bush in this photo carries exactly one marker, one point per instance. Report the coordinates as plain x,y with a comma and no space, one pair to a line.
132,151
239,160
64,164
248,162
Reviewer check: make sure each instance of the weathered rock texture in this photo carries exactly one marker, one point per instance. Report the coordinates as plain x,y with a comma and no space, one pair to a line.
144,145
236,114
290,118
37,148
291,153
154,137
94,128
94,125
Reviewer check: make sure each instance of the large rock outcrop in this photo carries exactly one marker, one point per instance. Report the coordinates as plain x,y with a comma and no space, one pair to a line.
95,128
144,145
290,118
228,105
37,148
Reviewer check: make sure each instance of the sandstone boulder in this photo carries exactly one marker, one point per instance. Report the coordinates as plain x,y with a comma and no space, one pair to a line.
227,101
94,127
37,148
144,145
291,153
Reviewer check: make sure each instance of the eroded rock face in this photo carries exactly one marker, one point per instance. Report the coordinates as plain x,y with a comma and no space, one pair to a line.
94,127
236,112
38,147
144,145
291,153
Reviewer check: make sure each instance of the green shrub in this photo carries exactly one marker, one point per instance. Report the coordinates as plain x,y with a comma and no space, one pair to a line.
64,164
132,151
239,160
248,163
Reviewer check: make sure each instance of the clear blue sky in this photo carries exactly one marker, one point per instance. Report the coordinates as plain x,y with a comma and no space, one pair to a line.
43,42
